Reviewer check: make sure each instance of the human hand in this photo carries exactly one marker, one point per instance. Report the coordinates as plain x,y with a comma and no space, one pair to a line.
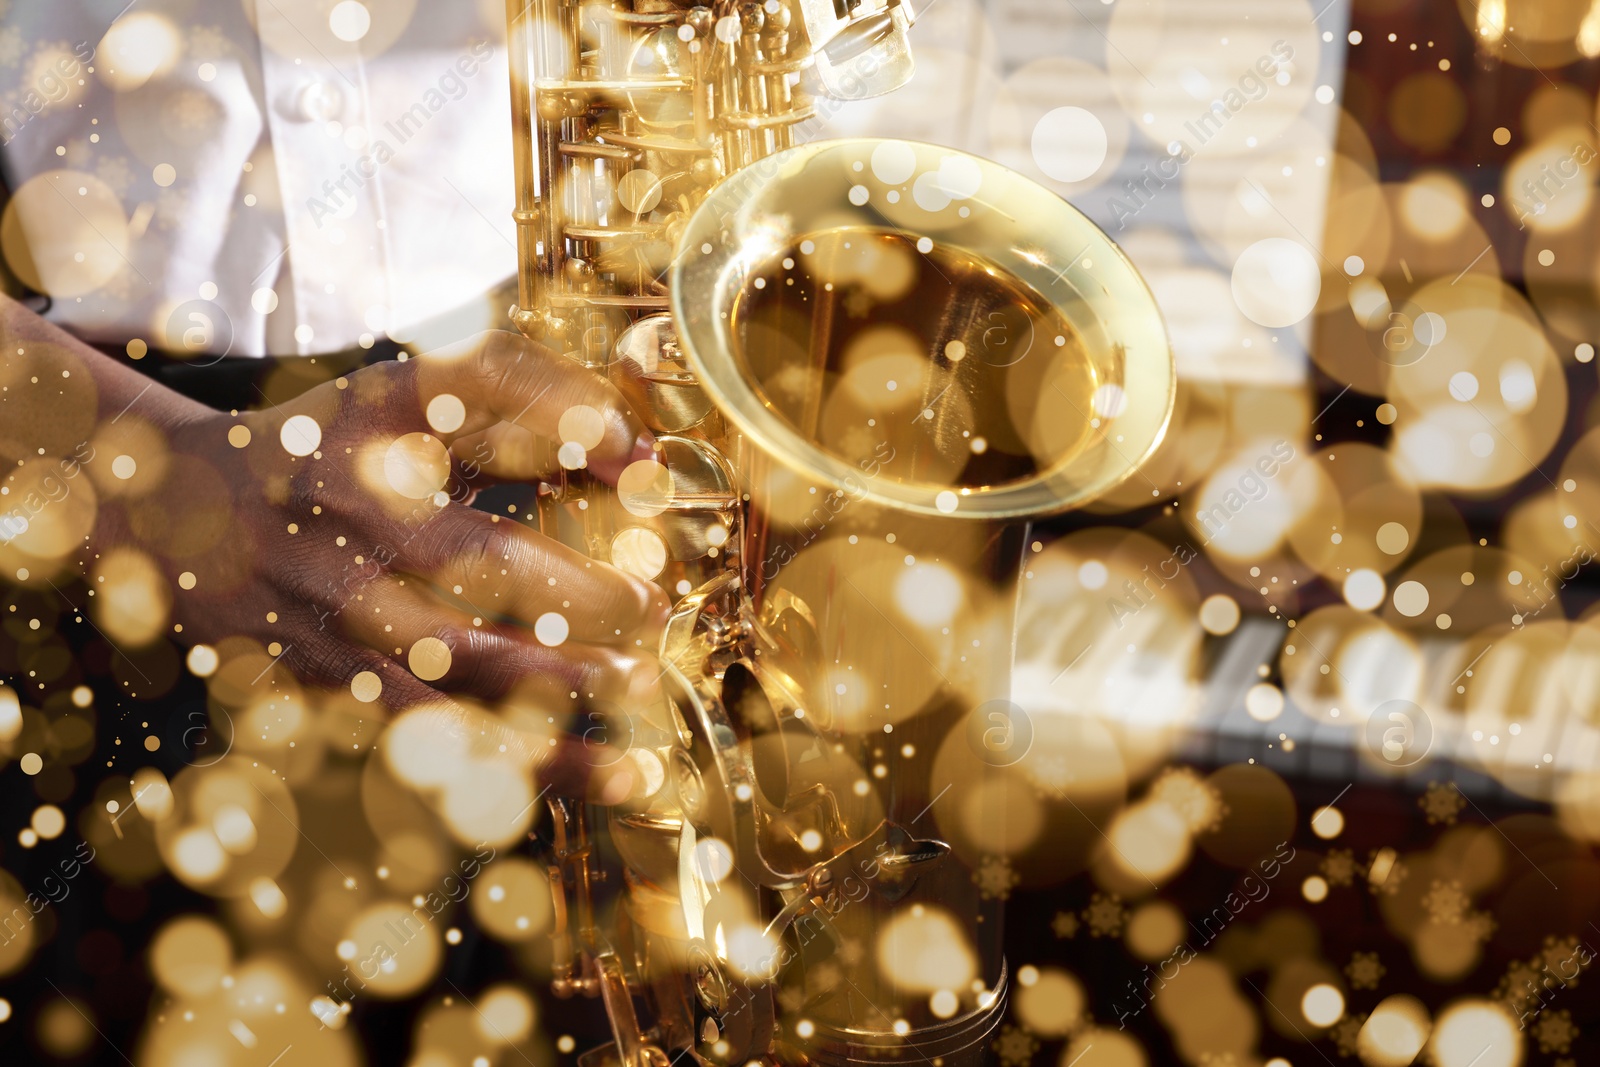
335,531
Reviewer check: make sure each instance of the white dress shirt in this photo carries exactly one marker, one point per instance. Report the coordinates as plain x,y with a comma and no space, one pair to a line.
246,169
257,176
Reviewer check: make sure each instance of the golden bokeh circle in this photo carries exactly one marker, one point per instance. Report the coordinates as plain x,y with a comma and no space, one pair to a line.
64,233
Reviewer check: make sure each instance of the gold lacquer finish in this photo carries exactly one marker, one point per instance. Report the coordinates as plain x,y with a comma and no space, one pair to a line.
982,297
868,363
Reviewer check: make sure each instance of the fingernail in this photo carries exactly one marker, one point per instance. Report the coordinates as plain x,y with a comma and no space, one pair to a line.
644,447
618,787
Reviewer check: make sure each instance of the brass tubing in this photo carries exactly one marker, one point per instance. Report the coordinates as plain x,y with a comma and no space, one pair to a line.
518,48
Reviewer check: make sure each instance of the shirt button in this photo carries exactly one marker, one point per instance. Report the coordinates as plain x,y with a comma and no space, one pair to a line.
319,101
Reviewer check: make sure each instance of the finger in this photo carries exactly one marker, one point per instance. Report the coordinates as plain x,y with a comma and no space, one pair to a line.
503,377
370,676
505,453
444,648
504,570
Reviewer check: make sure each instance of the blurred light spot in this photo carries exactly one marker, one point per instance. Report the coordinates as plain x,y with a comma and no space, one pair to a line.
1219,614
349,20
923,949
1395,1032
10,714
1517,387
366,687
505,1015
928,594
1393,538
300,435
893,162
416,465
446,413
48,821
268,897
203,661
1069,144
197,855
1264,702
135,49
640,552
1276,282
582,425
1149,839
1052,1004
1322,1005
1364,589
1476,1033
645,488
429,659
1411,599
551,628
1327,823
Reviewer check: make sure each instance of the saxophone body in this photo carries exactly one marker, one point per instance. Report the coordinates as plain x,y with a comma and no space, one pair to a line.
867,364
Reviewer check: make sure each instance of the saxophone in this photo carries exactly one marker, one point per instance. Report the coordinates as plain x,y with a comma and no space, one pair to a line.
868,364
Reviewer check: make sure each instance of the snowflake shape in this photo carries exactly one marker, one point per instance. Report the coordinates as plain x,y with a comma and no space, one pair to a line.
1016,1046
1555,1031
1442,803
1364,970
209,42
116,292
1339,867
172,207
995,878
115,172
1065,924
1199,803
1558,956
1105,915
825,976
1345,1033
1446,903
42,61
1049,773
858,303
1518,989
193,110
1397,873
792,999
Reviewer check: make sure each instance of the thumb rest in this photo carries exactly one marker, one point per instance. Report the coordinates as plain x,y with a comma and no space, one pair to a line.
867,364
